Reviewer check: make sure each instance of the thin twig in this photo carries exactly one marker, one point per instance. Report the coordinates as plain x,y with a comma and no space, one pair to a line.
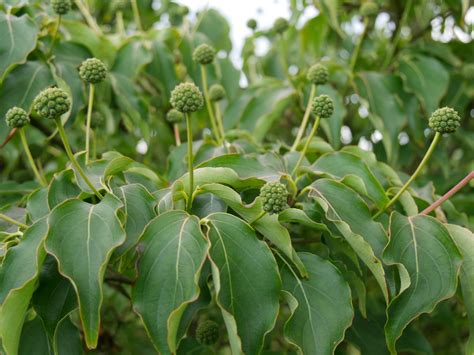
449,194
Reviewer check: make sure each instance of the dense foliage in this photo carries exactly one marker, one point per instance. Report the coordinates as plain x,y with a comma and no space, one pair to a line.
155,198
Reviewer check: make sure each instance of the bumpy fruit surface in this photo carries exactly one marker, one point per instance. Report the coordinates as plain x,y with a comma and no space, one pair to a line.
204,54
93,71
445,120
369,8
252,24
16,117
318,74
61,7
323,106
51,103
280,25
207,332
216,92
274,197
186,98
97,120
174,116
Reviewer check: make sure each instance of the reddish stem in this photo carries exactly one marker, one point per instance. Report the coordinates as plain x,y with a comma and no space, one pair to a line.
448,194
9,137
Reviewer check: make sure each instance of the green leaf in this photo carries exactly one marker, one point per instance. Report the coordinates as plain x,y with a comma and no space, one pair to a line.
18,38
139,210
321,306
132,57
67,339
385,111
18,275
330,9
246,280
207,203
37,204
268,225
349,213
34,339
20,88
216,28
62,188
295,215
82,237
54,298
354,171
426,78
332,126
464,239
173,242
422,249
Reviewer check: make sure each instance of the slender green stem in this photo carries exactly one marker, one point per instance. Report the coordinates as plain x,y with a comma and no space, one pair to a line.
304,123
120,25
87,15
88,120
24,141
360,40
12,221
220,125
94,145
55,35
257,218
136,15
177,136
391,50
418,170
306,145
284,61
189,129
212,118
73,160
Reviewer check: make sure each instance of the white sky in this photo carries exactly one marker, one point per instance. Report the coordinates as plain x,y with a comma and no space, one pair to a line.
238,12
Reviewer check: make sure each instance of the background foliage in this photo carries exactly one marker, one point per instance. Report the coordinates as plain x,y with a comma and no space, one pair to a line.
383,100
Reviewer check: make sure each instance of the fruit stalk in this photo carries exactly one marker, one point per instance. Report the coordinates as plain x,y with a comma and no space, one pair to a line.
209,105
88,120
88,17
177,137
306,145
31,161
360,40
189,202
219,119
304,123
73,160
136,15
418,170
55,34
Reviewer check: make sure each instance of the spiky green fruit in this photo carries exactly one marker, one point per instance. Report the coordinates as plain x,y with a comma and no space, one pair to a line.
318,74
16,117
216,92
369,8
204,54
323,106
280,25
274,197
445,120
207,332
174,116
61,7
186,98
52,103
93,71
252,24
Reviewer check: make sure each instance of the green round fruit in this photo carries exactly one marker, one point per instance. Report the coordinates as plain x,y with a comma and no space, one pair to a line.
445,120
216,92
280,25
204,54
323,106
16,117
186,98
252,24
93,71
61,7
207,332
369,8
274,197
52,103
97,120
174,116
318,74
